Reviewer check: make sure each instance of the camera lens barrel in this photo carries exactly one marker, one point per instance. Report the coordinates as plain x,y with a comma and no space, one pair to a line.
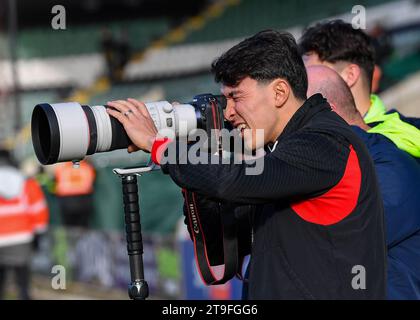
70,131
57,125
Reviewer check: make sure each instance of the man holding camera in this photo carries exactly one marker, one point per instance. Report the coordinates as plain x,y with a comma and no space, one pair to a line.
315,211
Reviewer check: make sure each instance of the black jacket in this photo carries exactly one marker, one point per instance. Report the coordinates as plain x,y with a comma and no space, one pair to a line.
317,213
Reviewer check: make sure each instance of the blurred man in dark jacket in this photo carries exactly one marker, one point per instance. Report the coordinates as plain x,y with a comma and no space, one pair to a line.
350,52
399,182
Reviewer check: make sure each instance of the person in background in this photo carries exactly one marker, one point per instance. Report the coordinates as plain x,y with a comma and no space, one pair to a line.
108,46
116,52
399,181
123,52
382,43
74,191
23,218
350,52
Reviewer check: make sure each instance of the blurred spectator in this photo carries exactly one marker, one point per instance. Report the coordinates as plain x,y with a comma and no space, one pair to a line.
382,45
123,50
108,45
23,218
74,191
350,52
116,53
399,181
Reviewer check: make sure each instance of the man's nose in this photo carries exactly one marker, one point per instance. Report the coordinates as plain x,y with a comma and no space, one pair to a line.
230,111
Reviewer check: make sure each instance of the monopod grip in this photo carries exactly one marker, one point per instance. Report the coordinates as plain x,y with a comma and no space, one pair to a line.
132,216
138,289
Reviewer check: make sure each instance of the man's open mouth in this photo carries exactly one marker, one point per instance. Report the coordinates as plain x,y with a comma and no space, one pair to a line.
241,127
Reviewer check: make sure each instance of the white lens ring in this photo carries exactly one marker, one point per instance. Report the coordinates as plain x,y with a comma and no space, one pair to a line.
74,131
153,108
104,129
185,119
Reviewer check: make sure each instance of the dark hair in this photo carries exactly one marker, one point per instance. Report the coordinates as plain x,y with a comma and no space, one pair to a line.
337,40
266,56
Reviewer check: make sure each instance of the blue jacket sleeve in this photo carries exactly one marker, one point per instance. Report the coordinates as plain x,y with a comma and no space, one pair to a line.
399,181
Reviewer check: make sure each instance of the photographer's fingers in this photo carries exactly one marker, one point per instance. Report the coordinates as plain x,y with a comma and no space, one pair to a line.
142,109
118,115
140,130
140,106
132,148
124,106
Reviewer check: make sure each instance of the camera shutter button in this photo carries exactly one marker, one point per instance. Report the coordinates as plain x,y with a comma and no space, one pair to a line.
168,108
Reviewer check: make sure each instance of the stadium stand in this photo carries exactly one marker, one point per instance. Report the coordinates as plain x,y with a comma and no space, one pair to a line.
173,63
78,40
251,16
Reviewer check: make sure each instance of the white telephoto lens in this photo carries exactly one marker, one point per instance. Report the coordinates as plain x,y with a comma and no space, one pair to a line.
68,131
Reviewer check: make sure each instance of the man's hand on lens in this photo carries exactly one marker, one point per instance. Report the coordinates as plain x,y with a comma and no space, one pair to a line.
137,122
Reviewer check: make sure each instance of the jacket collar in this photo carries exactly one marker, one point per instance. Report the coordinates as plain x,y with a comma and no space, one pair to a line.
313,105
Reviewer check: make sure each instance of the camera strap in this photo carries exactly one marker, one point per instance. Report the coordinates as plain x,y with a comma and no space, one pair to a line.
231,258
232,261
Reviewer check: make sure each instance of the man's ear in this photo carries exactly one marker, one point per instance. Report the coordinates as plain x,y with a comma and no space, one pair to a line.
333,107
351,74
282,91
